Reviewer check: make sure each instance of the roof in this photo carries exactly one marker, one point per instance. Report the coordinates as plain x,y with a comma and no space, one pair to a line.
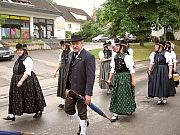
66,13
42,6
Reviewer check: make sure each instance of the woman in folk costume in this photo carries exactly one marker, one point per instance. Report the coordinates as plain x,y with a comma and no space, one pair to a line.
160,73
123,96
62,68
25,94
105,57
174,60
172,89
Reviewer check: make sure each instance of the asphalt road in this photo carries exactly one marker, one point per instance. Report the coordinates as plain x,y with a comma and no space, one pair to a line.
149,118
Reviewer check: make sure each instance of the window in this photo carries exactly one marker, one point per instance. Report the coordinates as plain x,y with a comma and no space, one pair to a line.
15,27
69,26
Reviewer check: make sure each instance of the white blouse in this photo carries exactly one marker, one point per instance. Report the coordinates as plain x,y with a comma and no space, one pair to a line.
167,55
128,59
28,63
131,52
60,57
173,54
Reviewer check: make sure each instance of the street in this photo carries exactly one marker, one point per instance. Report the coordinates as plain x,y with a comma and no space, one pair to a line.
149,118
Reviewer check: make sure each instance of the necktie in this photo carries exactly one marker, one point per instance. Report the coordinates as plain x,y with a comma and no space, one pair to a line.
74,57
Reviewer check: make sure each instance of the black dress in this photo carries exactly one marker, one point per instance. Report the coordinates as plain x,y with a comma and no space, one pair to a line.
62,74
29,97
159,84
105,69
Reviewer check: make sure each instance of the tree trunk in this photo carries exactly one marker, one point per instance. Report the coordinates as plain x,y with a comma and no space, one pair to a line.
141,41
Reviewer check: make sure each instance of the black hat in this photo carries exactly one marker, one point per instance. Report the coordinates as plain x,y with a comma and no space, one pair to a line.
20,46
67,43
168,43
75,38
105,44
120,42
161,43
62,42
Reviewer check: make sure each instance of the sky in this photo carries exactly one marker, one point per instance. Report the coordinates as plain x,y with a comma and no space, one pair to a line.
86,5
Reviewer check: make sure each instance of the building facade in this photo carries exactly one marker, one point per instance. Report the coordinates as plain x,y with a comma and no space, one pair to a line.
26,19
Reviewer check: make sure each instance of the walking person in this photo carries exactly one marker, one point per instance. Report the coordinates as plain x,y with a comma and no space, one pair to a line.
25,94
105,56
160,73
62,68
81,77
123,95
174,61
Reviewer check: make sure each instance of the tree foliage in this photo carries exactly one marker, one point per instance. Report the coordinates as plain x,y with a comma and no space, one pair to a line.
139,16
89,30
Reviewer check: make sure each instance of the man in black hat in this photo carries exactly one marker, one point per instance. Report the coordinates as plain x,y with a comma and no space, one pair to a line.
81,76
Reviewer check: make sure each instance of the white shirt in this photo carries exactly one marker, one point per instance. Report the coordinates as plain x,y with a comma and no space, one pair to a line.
28,63
167,55
128,59
173,55
131,52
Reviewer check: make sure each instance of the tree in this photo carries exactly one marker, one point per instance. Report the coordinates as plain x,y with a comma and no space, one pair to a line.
89,30
139,16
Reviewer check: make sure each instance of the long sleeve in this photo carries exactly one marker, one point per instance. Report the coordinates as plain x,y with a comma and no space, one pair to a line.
174,60
28,63
151,57
90,75
101,55
168,57
129,63
112,65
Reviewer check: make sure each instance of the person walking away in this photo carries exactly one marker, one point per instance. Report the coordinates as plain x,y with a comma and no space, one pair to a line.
25,94
123,95
81,77
62,68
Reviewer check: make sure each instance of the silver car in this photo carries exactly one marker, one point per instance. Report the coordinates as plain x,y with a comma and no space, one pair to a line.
6,53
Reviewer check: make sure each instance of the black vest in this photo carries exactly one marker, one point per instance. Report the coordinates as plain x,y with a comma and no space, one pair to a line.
120,65
159,58
19,67
107,54
64,57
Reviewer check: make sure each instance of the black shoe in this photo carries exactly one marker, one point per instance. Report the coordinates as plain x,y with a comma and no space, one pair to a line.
79,131
61,106
38,114
114,118
9,118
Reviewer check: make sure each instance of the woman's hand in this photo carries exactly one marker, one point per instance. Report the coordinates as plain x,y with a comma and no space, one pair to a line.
133,82
170,76
54,75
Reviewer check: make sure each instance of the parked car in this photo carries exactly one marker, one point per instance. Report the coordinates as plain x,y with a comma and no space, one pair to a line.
100,38
6,53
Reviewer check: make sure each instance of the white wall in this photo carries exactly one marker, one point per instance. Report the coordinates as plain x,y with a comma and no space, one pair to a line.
75,27
59,28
